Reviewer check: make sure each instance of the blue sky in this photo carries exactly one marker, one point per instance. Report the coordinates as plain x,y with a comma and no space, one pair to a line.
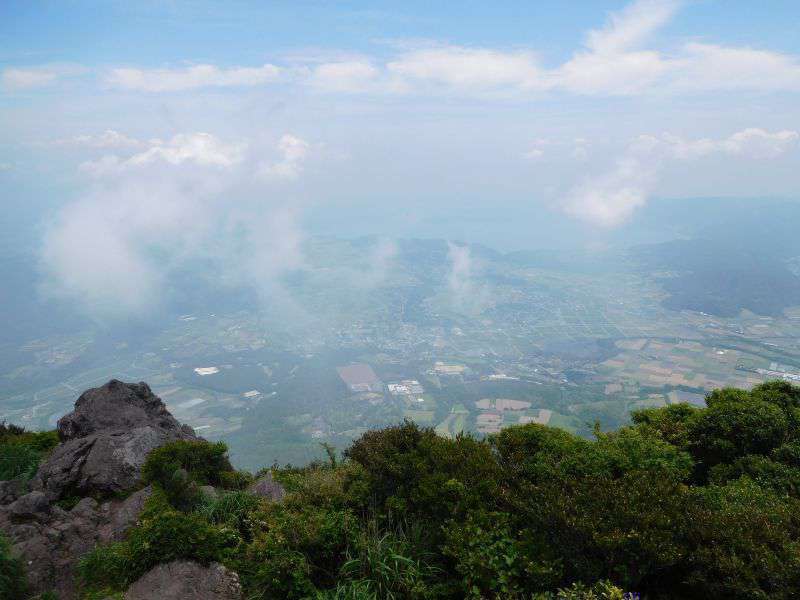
231,32
179,122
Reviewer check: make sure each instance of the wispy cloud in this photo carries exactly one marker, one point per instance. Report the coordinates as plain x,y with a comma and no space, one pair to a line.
200,148
147,214
107,139
611,197
190,78
294,151
466,293
16,79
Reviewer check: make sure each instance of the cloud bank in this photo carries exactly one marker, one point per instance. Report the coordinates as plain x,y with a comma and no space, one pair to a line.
616,59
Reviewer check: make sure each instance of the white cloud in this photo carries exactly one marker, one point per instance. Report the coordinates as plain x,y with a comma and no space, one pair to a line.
752,142
344,76
467,295
5,166
468,69
26,78
610,198
23,79
107,139
611,64
201,149
534,154
294,152
708,67
145,217
90,256
194,77
615,60
632,26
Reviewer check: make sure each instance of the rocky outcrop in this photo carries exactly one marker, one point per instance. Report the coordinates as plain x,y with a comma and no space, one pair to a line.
185,580
105,441
51,540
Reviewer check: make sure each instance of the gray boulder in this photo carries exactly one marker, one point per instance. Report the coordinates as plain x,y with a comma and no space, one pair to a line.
185,580
266,487
30,506
105,441
12,489
115,406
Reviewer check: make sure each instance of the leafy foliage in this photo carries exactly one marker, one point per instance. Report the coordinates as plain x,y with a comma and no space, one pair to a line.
683,503
180,467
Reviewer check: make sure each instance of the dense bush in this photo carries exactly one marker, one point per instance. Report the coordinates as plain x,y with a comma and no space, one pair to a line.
181,467
163,537
683,503
415,473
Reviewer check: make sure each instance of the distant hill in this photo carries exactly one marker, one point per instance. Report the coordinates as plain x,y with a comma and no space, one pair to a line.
720,278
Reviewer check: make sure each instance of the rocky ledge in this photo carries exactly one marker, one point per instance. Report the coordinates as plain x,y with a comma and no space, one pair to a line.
96,471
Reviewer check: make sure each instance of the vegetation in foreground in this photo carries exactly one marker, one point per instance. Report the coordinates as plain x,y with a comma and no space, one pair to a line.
683,503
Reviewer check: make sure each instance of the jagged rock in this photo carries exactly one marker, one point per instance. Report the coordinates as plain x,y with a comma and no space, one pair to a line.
185,580
105,441
51,541
122,515
12,489
266,487
29,506
115,406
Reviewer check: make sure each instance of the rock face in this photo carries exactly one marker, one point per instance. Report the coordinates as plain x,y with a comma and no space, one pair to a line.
104,444
105,441
184,580
51,540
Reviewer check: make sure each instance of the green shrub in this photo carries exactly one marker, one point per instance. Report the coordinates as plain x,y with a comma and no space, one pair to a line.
12,573
203,461
180,467
270,569
687,502
106,567
18,461
349,590
493,562
172,535
235,480
742,543
411,471
769,474
602,590
310,541
234,509
166,536
320,486
384,563
735,425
